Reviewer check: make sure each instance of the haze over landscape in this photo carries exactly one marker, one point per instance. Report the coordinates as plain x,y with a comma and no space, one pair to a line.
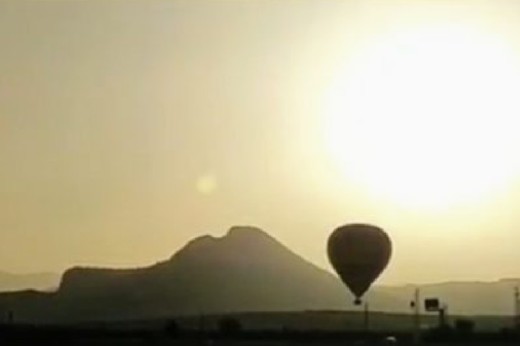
128,128
243,272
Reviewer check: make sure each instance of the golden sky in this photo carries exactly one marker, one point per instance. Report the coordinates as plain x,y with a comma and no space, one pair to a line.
129,127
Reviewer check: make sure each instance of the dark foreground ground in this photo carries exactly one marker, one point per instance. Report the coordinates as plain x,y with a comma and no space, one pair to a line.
270,329
130,342
31,335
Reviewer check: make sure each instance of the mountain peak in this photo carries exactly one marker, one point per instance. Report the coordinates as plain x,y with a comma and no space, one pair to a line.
237,240
241,230
246,233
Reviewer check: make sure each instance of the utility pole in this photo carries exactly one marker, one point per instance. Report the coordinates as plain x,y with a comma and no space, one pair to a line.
517,309
443,310
416,306
366,318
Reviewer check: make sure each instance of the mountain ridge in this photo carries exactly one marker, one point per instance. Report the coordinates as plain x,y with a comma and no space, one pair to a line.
244,270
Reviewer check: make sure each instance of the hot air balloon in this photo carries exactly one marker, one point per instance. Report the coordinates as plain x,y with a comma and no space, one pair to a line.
359,253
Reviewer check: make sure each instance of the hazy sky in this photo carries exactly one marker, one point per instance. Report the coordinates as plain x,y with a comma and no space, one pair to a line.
129,127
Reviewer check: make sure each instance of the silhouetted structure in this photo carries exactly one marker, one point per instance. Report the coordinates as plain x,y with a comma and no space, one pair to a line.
517,309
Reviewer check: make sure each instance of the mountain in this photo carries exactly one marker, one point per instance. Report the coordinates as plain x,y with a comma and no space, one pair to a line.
38,281
245,270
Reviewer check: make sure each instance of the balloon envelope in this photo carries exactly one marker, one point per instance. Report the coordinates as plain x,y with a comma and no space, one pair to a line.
359,253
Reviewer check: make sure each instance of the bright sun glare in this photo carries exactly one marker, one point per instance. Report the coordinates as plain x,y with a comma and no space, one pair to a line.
427,118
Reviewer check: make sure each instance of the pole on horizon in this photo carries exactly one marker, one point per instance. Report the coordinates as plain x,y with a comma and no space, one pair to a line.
366,318
443,311
416,305
517,309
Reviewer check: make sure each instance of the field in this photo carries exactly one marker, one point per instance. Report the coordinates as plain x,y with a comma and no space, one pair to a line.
329,321
269,329
161,342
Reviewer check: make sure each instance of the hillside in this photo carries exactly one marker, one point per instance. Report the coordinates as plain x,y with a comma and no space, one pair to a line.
246,270
466,298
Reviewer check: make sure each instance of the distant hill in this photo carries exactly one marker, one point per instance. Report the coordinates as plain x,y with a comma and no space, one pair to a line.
38,281
246,270
466,298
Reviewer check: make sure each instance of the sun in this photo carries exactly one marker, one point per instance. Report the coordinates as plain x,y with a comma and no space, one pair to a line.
427,118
